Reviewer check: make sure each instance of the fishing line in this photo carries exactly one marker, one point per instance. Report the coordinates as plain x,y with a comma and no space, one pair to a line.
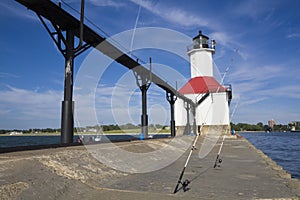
234,109
134,29
218,160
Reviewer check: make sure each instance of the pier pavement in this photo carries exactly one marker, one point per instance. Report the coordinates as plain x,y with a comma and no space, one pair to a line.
71,173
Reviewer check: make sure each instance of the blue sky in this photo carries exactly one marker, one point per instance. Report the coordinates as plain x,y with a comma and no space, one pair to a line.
259,40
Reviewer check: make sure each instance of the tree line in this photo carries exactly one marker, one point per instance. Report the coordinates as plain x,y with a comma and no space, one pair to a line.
36,130
110,127
127,126
237,127
260,127
39,130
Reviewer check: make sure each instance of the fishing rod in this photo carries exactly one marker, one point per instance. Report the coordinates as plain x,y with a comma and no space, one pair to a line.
218,160
187,182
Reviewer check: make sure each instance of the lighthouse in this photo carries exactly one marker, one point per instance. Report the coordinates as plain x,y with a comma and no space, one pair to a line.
212,98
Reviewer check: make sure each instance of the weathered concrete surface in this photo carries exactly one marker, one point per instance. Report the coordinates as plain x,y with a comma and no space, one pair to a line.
72,173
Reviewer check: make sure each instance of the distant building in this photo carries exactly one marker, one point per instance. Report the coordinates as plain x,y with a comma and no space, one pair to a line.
15,133
92,130
271,123
295,125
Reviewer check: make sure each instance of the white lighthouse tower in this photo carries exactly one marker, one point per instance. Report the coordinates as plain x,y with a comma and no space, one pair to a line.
211,97
201,56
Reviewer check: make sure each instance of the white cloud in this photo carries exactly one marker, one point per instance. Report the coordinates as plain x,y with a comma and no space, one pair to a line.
255,9
27,97
256,73
252,101
9,8
221,37
286,91
119,104
229,41
8,75
293,35
242,54
29,106
108,3
250,83
172,14
261,95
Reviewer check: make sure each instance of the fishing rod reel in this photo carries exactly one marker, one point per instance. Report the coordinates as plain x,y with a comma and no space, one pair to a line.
185,185
218,162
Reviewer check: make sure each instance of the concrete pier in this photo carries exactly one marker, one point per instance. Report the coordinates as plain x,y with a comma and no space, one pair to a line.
72,173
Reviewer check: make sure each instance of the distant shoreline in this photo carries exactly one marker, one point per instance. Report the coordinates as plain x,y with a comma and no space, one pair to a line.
250,131
263,131
117,132
87,133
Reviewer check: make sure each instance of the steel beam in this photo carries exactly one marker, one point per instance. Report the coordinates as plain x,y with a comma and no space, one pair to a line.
67,120
171,99
143,82
144,117
194,119
187,127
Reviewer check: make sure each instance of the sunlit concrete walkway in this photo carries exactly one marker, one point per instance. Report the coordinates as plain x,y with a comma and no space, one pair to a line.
73,173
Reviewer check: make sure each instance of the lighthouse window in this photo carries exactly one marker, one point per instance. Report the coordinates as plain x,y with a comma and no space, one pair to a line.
204,43
197,41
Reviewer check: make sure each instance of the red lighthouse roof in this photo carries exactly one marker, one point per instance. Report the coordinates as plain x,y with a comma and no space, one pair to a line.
202,84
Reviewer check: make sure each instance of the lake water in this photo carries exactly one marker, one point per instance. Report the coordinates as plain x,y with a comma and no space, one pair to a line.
283,148
23,140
